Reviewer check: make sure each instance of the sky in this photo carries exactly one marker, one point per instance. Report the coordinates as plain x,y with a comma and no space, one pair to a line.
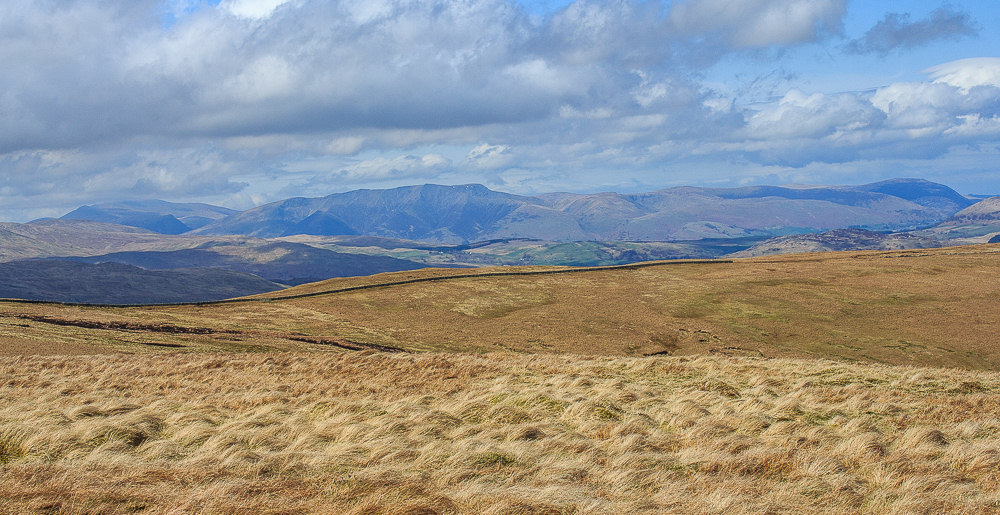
243,102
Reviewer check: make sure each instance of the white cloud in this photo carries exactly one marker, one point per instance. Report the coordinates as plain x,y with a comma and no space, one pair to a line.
538,73
344,145
968,73
393,168
898,121
253,9
486,156
798,115
266,77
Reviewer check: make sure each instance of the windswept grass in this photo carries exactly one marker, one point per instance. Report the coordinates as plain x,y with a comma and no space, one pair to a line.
495,433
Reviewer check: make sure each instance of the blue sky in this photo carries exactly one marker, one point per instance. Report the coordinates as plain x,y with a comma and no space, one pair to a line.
241,102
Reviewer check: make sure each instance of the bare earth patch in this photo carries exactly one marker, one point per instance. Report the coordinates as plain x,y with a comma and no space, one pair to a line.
371,432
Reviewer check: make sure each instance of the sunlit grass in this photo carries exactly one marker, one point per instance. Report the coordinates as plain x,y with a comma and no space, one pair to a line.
496,433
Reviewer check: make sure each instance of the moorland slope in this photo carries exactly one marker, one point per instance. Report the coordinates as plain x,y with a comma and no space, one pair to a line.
115,283
929,307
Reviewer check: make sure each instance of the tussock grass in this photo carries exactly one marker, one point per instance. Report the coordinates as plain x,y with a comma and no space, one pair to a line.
495,433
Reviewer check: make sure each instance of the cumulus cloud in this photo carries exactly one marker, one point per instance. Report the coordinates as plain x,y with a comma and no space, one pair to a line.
896,31
798,115
968,73
252,68
900,120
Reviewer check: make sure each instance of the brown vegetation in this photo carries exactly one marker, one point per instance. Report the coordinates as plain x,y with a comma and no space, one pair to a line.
932,307
497,433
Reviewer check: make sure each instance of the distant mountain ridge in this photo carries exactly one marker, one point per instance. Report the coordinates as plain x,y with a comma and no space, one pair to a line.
459,214
155,215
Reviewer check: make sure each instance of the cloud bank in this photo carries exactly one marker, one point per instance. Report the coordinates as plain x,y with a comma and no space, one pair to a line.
187,100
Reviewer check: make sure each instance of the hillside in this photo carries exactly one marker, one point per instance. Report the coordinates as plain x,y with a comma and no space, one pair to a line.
974,224
113,283
933,307
284,262
456,214
837,240
84,241
523,251
58,238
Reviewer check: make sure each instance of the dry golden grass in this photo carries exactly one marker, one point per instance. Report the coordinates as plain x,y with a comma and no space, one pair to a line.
494,433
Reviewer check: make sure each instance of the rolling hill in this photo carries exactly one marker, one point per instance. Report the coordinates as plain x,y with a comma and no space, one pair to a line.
838,239
57,238
114,283
285,262
974,224
523,251
81,241
928,307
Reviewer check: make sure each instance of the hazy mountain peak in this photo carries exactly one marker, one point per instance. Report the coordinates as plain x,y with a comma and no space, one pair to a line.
156,215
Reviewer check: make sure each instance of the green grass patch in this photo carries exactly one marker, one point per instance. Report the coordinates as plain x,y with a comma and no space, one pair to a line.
11,446
493,459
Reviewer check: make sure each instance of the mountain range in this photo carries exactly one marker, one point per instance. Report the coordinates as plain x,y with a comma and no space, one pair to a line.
458,214
462,214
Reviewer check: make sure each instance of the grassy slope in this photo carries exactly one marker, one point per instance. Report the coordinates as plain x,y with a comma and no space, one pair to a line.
70,281
499,433
526,252
930,307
